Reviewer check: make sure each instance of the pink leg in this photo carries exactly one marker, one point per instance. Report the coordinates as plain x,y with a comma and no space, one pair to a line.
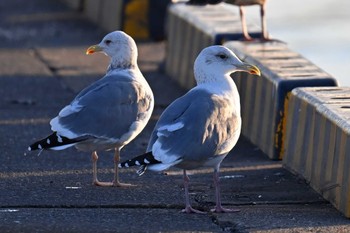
115,182
94,172
244,24
188,208
265,35
218,208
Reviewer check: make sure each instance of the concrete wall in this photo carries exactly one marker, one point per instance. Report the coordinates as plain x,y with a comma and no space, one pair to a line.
318,141
265,99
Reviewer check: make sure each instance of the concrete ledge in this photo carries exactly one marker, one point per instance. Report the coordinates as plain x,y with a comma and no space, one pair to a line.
192,28
318,141
106,13
265,100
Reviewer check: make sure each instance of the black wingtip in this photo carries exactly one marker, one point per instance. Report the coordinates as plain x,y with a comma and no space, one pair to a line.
37,145
53,140
142,160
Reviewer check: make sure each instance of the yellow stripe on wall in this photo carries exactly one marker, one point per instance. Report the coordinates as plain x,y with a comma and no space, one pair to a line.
136,19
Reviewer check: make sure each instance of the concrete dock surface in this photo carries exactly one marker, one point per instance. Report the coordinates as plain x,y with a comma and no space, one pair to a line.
43,66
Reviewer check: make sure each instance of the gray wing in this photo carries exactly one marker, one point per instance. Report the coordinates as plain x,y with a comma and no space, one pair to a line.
105,109
193,128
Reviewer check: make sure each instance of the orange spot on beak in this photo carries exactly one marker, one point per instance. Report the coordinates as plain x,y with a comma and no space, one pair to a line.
93,49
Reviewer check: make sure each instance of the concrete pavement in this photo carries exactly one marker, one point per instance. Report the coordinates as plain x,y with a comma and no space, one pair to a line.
43,66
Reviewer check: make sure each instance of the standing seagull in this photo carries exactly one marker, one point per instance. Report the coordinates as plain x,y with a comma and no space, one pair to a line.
241,4
109,113
201,127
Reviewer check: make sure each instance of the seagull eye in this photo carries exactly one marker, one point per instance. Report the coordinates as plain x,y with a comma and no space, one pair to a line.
107,42
222,56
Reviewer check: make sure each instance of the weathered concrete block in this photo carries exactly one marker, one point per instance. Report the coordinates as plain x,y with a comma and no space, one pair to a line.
108,14
192,28
265,100
318,141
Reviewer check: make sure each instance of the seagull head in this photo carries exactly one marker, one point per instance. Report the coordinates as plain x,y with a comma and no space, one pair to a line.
119,46
217,61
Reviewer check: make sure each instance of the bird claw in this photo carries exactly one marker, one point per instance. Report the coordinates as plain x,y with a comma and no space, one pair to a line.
102,184
249,39
190,210
112,184
123,185
221,209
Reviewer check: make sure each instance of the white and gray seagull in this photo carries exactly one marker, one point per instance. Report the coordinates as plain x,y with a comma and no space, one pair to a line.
109,113
201,127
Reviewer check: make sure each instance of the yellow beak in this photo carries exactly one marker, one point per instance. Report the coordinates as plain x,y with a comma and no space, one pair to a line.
251,69
93,49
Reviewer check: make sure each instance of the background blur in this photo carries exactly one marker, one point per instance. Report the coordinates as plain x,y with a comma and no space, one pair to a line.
318,29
